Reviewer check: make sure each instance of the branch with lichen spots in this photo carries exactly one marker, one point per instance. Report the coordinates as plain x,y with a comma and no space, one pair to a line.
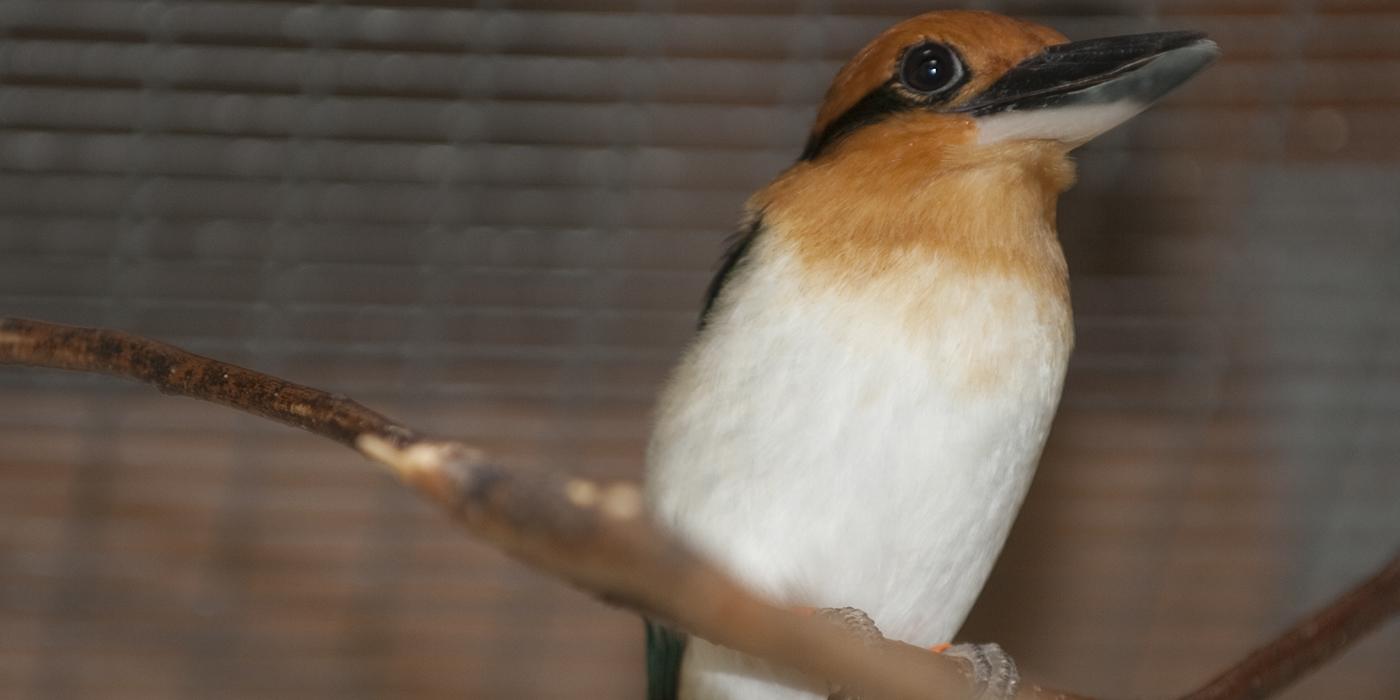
600,538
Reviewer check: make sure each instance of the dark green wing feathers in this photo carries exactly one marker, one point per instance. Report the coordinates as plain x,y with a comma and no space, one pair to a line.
665,647
734,255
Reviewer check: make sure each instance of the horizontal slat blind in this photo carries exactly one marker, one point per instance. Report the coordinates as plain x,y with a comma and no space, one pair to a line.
496,219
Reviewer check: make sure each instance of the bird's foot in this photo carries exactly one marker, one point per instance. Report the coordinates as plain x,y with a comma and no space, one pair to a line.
856,622
994,674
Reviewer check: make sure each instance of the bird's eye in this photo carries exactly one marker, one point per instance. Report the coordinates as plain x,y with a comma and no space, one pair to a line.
930,69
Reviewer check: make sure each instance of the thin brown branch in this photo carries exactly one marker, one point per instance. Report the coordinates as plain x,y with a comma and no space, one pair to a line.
1312,642
175,371
596,536
599,537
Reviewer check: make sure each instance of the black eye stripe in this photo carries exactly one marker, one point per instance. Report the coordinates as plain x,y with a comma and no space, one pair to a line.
874,107
894,96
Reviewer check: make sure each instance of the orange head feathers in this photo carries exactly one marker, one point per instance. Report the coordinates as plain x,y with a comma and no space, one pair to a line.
989,44
949,134
982,75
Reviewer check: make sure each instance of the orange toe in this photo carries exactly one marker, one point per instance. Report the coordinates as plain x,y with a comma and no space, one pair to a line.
940,648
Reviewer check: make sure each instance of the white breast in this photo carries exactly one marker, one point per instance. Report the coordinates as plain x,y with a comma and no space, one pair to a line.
862,446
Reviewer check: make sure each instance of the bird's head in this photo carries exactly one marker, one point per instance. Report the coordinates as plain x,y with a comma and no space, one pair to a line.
978,78
947,138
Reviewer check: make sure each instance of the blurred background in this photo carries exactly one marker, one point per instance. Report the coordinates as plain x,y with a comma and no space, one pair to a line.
494,220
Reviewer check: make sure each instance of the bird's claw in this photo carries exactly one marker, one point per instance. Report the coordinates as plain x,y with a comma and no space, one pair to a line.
994,674
856,622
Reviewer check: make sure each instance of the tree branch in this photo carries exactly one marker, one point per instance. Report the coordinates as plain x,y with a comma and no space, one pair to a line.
1311,642
599,537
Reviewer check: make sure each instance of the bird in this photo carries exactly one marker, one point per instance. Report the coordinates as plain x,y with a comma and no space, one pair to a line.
882,350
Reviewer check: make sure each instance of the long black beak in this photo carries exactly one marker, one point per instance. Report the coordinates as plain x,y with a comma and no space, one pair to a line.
1073,92
1138,68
